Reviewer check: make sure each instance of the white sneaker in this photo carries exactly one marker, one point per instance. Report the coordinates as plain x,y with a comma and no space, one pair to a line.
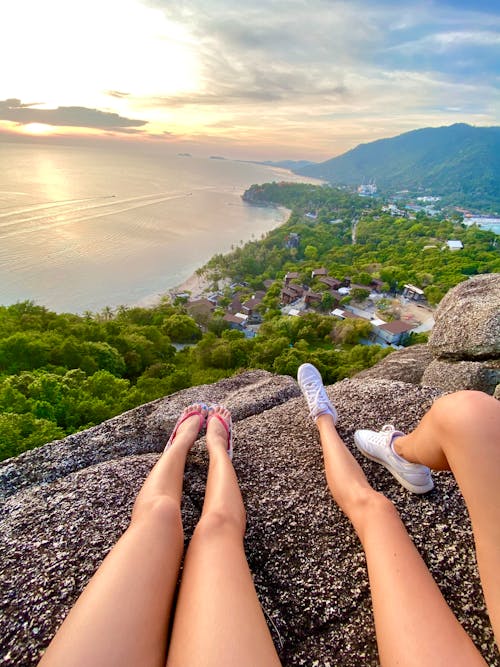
310,382
378,446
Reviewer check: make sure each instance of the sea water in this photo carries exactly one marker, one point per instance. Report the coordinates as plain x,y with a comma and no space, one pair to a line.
86,227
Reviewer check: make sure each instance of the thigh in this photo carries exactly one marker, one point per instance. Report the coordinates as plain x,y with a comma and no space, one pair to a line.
218,619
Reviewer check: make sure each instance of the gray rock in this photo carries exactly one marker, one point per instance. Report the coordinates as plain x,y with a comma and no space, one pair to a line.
468,320
69,502
456,375
407,365
144,429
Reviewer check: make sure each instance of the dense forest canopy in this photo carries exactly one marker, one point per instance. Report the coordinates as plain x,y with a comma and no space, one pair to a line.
64,372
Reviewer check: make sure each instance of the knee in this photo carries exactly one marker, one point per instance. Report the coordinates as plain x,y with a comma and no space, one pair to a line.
216,524
368,509
161,509
362,502
464,410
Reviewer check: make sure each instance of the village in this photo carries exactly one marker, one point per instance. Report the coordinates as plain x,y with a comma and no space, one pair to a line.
408,312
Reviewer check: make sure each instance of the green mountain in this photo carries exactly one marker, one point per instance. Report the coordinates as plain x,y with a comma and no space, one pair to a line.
459,162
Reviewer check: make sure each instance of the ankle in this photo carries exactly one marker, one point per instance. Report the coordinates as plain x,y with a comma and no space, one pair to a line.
404,448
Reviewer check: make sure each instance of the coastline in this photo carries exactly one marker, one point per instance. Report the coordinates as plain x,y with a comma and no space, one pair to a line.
197,284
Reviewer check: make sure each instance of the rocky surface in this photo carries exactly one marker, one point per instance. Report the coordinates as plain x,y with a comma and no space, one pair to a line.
455,375
467,321
407,365
65,505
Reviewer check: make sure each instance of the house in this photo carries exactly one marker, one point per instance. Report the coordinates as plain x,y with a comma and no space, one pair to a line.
394,333
199,307
412,292
291,275
319,272
250,306
236,303
291,293
332,283
455,245
268,283
311,298
344,314
237,321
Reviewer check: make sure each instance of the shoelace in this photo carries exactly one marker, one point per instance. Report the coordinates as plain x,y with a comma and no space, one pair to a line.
316,397
380,438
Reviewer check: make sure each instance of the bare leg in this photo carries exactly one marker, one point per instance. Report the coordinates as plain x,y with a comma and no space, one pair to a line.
218,619
122,616
461,432
414,625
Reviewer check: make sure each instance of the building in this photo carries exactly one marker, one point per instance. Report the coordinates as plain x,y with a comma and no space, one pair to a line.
291,293
332,283
291,275
237,321
394,333
412,292
367,189
319,272
455,245
311,298
200,307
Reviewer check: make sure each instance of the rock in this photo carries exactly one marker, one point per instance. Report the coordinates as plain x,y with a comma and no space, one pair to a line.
407,365
144,429
468,321
456,375
69,501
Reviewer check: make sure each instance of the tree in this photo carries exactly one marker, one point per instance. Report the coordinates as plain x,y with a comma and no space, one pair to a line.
181,328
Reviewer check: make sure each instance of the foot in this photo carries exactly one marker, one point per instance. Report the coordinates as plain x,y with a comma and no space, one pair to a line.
220,429
188,426
310,382
379,446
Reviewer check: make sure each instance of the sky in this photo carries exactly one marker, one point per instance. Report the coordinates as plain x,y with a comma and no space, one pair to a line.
267,79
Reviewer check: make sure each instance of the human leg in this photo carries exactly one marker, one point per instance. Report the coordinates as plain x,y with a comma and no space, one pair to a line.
414,625
218,619
122,616
461,432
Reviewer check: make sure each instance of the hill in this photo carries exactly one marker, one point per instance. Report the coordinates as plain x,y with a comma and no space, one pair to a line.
460,163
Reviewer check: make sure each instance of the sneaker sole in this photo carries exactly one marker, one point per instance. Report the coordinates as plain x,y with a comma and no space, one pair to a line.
404,482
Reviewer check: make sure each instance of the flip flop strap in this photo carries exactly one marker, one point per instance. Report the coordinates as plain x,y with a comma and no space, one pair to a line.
223,422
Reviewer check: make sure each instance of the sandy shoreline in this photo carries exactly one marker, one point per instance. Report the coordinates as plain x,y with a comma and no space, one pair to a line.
196,284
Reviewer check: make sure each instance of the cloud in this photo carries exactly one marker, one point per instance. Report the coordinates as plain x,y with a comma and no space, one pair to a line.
118,94
13,110
325,53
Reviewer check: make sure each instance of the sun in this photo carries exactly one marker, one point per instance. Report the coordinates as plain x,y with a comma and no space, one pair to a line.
38,129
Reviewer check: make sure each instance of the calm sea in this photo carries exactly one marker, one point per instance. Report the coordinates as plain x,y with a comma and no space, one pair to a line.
83,228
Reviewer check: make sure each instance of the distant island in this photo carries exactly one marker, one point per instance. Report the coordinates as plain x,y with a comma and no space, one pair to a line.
184,155
217,157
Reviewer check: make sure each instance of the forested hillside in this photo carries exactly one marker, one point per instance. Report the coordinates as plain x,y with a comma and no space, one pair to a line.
459,163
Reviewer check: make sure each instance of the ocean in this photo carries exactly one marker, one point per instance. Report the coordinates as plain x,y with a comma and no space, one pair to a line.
82,228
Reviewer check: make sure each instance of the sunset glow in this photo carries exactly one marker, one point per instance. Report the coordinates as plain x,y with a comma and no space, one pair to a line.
310,82
37,129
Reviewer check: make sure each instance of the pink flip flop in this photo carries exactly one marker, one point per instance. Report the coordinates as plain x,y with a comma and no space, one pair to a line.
182,419
228,425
